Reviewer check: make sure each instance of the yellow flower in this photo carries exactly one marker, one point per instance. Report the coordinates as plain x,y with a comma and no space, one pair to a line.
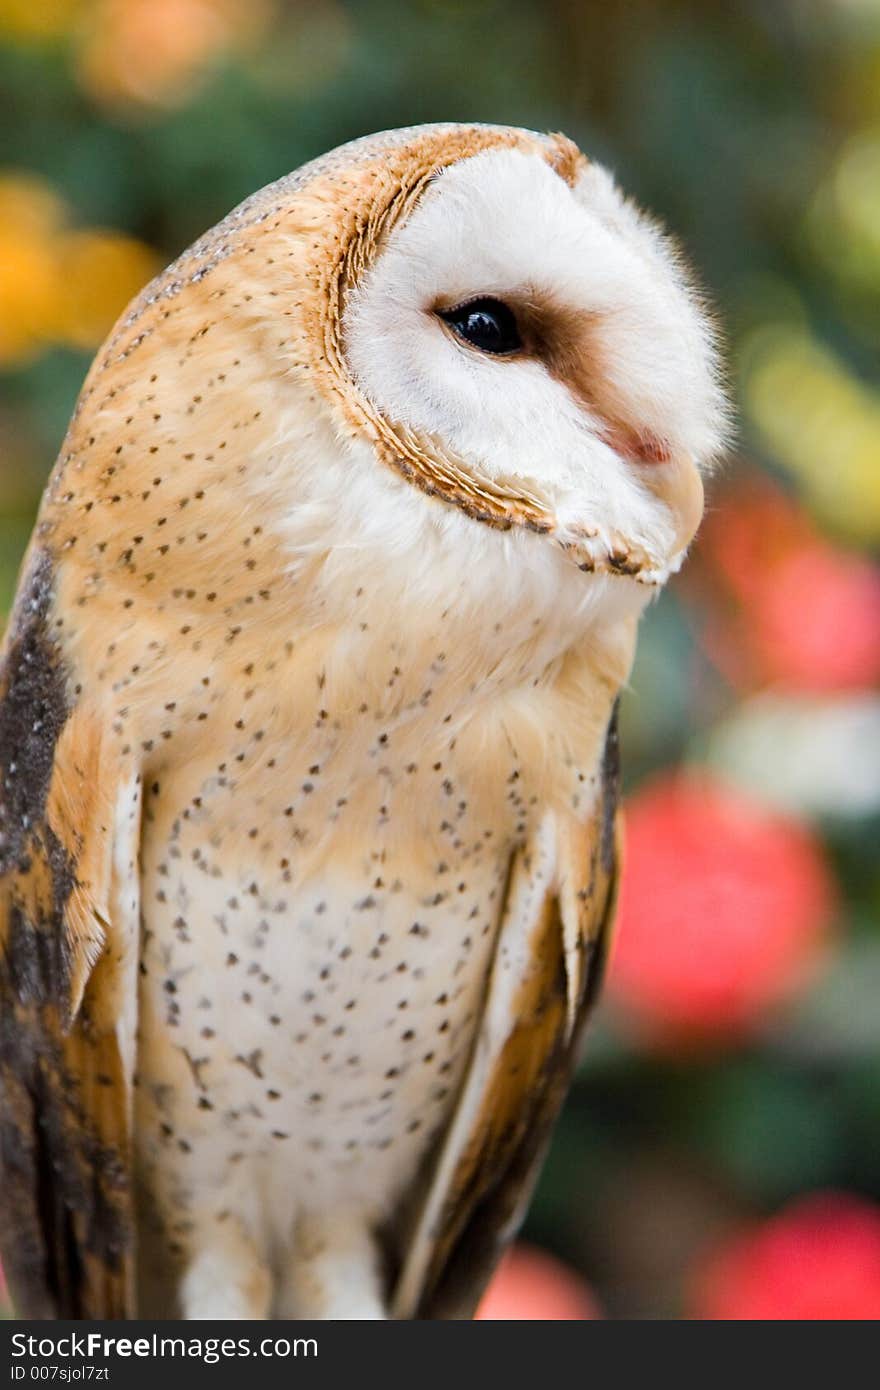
28,296
29,205
100,271
39,21
59,285
30,215
152,52
821,423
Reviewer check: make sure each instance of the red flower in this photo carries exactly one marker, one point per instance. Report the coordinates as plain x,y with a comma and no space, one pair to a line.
531,1286
818,625
819,1259
723,908
783,605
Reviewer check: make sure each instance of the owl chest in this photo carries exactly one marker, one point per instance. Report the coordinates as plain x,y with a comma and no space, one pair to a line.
308,999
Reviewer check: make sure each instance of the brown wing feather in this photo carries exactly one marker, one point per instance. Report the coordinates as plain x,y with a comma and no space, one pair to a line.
64,1215
499,1162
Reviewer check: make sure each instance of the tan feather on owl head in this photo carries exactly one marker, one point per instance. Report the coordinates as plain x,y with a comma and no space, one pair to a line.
593,431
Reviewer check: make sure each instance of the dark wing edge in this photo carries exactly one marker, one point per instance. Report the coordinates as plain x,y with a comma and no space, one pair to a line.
496,1148
65,1219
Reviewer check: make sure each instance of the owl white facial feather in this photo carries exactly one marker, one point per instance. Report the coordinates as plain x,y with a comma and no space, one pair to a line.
504,225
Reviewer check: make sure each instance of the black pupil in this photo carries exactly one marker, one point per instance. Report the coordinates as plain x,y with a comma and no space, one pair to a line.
487,324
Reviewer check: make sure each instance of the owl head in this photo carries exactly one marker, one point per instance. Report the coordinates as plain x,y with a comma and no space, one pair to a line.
535,338
458,339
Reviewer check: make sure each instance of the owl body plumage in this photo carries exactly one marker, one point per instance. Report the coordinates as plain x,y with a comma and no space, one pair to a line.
350,939
306,733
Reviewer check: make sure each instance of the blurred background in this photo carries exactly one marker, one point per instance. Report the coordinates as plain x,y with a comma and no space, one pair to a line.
719,1156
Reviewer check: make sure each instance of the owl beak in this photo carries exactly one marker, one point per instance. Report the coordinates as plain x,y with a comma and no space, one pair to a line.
687,499
678,484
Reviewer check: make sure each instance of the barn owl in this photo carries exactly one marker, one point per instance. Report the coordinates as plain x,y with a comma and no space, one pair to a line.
307,731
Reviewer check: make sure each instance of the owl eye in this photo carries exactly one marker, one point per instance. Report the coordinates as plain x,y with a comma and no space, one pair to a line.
487,324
